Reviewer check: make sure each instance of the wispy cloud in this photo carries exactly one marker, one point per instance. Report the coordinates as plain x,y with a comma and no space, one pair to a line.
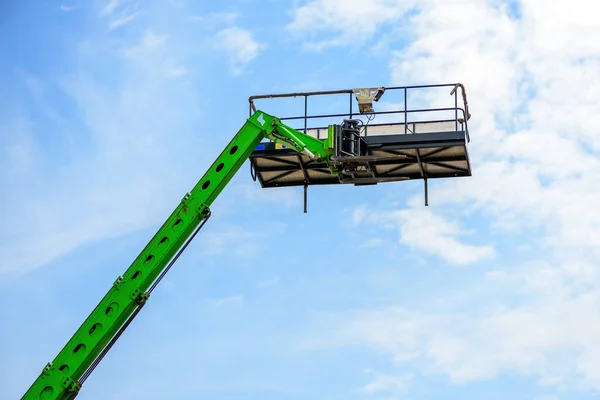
109,8
271,282
489,339
283,197
231,301
214,20
125,123
114,24
240,46
421,229
66,8
319,20
391,384
177,71
372,243
155,47
119,13
242,242
38,92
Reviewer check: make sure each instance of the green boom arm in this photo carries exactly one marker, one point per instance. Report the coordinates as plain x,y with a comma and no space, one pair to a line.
63,377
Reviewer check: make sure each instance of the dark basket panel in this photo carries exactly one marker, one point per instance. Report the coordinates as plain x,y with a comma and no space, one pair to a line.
431,155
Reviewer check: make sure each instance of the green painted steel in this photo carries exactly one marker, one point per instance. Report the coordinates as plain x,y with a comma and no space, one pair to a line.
300,142
330,138
60,379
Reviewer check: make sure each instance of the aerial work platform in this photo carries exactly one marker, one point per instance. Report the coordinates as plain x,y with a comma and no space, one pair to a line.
363,147
423,142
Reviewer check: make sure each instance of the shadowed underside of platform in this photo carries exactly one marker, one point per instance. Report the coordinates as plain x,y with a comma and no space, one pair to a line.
391,157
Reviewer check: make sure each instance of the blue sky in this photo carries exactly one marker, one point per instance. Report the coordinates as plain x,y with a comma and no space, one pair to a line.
112,110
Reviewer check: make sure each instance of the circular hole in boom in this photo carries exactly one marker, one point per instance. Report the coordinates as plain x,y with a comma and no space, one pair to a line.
112,308
233,150
47,393
97,328
78,348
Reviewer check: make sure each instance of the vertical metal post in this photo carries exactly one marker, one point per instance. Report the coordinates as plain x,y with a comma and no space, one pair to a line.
426,193
305,113
350,105
405,114
455,109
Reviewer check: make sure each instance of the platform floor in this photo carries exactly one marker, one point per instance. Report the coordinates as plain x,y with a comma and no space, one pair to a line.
413,156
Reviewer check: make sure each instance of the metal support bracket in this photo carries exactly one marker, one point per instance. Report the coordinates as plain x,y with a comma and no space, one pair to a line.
139,296
118,281
203,211
67,383
47,367
185,198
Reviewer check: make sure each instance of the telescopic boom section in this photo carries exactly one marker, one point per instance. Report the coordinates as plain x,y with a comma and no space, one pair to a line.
63,377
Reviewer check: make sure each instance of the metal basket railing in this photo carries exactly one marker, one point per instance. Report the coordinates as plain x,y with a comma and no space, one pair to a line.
460,113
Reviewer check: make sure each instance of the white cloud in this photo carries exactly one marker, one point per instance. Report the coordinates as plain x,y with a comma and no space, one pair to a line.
423,230
550,178
240,46
177,71
119,13
114,24
271,282
283,197
214,20
150,42
551,334
109,8
231,301
346,22
232,240
388,383
154,49
18,150
372,242
66,8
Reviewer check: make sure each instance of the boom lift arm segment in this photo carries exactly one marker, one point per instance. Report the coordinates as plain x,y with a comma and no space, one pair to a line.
63,377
